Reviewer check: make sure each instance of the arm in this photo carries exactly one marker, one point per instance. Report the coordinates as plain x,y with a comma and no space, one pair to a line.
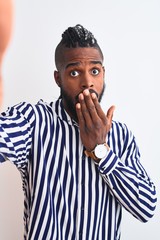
125,176
16,127
121,169
6,12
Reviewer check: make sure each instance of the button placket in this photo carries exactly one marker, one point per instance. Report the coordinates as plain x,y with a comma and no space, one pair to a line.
82,199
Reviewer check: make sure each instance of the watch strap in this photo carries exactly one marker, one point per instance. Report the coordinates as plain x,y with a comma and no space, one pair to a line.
90,154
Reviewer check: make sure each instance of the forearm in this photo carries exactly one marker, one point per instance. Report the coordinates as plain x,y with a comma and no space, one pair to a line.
133,189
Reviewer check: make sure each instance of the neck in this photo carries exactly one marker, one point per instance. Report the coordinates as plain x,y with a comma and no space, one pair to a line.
70,109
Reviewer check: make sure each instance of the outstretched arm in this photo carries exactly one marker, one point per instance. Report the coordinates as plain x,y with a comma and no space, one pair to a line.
6,12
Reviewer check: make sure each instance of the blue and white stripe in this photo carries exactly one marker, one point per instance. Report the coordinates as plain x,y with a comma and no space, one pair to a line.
67,195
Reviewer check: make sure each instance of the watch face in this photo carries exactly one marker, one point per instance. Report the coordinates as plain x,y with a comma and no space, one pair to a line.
100,151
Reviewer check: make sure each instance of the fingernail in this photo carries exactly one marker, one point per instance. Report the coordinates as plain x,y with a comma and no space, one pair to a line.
86,92
93,95
78,105
81,96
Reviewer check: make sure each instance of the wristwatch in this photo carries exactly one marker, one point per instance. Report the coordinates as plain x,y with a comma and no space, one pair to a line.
99,152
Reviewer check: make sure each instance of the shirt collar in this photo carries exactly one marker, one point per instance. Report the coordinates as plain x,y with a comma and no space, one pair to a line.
62,114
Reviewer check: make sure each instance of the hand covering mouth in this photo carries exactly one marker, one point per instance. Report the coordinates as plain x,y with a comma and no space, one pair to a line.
90,90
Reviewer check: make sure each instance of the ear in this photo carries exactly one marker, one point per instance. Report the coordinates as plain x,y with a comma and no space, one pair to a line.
57,77
103,70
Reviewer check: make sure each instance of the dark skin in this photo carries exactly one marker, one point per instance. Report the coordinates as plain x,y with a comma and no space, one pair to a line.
80,70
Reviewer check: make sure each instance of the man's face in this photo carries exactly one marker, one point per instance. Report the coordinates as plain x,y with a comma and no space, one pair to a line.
81,69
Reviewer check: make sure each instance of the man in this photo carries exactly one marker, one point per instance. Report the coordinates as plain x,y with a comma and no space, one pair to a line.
79,167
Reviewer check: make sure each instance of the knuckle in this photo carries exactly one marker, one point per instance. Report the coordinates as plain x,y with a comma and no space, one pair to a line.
92,107
98,125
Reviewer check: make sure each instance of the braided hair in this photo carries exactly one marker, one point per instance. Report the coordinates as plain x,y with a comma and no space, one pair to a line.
78,35
74,37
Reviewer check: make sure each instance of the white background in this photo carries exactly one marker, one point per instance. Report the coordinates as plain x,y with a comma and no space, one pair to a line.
129,34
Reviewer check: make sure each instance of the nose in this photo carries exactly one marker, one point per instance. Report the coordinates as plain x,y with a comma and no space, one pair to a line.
87,81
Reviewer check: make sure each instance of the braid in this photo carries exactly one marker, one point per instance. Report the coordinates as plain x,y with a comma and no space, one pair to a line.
78,36
75,37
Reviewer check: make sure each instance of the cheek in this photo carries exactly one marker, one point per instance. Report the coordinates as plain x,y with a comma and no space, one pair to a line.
72,87
70,91
99,84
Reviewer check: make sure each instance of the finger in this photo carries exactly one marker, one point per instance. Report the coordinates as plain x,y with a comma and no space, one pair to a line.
109,117
98,108
80,117
110,113
84,109
89,103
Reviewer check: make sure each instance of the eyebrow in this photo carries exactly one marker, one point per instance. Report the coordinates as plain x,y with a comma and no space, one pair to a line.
78,63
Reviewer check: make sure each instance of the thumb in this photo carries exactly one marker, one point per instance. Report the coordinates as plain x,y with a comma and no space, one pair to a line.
110,113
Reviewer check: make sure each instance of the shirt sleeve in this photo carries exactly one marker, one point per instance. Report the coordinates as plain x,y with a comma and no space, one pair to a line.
16,130
125,175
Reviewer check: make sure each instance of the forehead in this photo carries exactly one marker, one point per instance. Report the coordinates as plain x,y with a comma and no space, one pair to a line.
71,55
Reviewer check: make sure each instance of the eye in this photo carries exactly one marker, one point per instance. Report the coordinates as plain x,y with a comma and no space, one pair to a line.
74,73
95,71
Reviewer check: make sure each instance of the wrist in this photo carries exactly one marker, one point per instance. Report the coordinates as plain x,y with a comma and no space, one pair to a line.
100,151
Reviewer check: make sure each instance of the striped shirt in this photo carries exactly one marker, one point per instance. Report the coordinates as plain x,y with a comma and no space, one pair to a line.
67,195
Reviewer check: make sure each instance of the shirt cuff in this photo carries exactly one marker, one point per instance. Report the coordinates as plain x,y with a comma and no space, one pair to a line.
108,164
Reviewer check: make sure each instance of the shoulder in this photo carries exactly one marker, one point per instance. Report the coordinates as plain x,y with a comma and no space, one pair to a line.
20,113
26,108
18,109
119,126
121,138
32,113
43,107
121,130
